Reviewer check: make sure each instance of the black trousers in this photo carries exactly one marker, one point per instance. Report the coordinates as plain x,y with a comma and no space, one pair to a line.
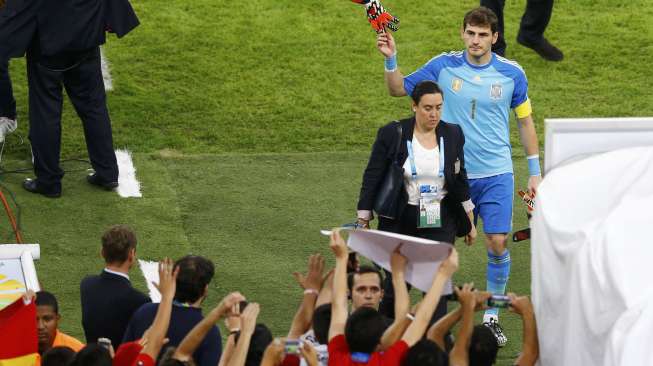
7,101
85,87
407,225
533,23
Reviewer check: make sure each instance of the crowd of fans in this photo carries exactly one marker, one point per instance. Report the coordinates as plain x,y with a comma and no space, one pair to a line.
337,321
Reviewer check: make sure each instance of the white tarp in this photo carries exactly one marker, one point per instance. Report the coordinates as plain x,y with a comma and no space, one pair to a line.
592,261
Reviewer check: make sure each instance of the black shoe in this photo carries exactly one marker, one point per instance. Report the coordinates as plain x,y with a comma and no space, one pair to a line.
543,48
95,180
32,185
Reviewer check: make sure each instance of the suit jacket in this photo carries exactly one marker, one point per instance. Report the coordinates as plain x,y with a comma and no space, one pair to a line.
17,27
61,25
108,302
77,25
455,175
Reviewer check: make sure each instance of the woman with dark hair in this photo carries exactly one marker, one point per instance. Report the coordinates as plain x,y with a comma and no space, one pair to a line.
433,201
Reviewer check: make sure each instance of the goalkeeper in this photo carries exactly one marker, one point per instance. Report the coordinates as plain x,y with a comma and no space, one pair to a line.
480,88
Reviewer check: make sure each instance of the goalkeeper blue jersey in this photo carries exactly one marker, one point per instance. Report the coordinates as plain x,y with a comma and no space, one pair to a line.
479,99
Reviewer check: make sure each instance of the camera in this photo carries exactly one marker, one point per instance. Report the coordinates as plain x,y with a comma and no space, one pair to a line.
498,301
292,347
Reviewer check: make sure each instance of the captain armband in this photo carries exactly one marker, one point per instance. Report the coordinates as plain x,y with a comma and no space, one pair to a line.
524,110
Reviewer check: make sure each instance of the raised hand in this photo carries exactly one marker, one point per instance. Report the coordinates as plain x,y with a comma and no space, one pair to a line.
309,354
314,277
398,261
520,304
248,318
450,265
337,245
466,296
167,278
228,306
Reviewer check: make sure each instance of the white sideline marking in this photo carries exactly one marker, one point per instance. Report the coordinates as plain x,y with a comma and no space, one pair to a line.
128,185
106,75
150,271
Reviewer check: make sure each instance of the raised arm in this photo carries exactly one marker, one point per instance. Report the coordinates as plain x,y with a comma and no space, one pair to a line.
402,300
530,349
417,328
154,338
326,293
459,355
248,325
194,338
438,330
311,284
394,79
339,303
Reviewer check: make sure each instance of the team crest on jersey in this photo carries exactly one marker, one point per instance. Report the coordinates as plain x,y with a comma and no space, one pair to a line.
456,84
495,91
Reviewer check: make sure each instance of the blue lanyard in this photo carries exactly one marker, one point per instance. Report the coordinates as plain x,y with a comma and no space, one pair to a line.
411,156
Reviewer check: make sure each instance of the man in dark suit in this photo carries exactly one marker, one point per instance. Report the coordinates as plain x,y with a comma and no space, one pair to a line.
108,299
63,52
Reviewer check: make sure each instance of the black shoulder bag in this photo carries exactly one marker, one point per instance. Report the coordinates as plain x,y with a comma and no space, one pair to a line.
385,204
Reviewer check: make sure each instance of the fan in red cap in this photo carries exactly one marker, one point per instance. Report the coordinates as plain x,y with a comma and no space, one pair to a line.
378,17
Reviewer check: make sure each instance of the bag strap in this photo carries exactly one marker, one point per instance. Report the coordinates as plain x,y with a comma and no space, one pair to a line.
400,134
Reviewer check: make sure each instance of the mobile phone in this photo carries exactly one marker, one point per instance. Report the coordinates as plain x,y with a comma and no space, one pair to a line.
292,346
104,342
498,301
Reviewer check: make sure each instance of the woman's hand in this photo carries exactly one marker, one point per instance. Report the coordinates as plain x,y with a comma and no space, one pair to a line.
362,223
471,235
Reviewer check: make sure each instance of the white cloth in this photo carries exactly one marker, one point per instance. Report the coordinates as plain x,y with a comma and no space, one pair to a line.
592,261
427,165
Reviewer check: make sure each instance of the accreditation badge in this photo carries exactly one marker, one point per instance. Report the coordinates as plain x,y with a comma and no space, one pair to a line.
429,207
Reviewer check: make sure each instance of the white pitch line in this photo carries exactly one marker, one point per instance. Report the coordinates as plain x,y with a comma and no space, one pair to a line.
106,75
128,185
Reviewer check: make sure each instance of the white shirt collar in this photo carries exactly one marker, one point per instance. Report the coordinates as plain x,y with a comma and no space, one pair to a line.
116,273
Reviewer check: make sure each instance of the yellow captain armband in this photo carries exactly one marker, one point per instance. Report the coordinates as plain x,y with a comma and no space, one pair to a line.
524,110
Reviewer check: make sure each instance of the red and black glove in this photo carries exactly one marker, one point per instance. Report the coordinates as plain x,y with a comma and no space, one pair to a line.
378,17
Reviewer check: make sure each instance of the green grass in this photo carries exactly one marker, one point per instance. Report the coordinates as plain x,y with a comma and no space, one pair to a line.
252,121
284,76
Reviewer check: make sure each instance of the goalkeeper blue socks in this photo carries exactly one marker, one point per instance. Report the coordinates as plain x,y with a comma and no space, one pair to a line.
498,271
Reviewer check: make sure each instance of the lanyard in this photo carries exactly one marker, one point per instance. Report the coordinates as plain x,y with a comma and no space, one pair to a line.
411,156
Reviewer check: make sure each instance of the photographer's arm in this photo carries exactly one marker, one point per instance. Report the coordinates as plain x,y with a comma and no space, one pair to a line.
459,355
248,318
438,330
530,348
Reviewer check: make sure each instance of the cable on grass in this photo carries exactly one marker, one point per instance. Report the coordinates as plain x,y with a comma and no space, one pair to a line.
12,220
